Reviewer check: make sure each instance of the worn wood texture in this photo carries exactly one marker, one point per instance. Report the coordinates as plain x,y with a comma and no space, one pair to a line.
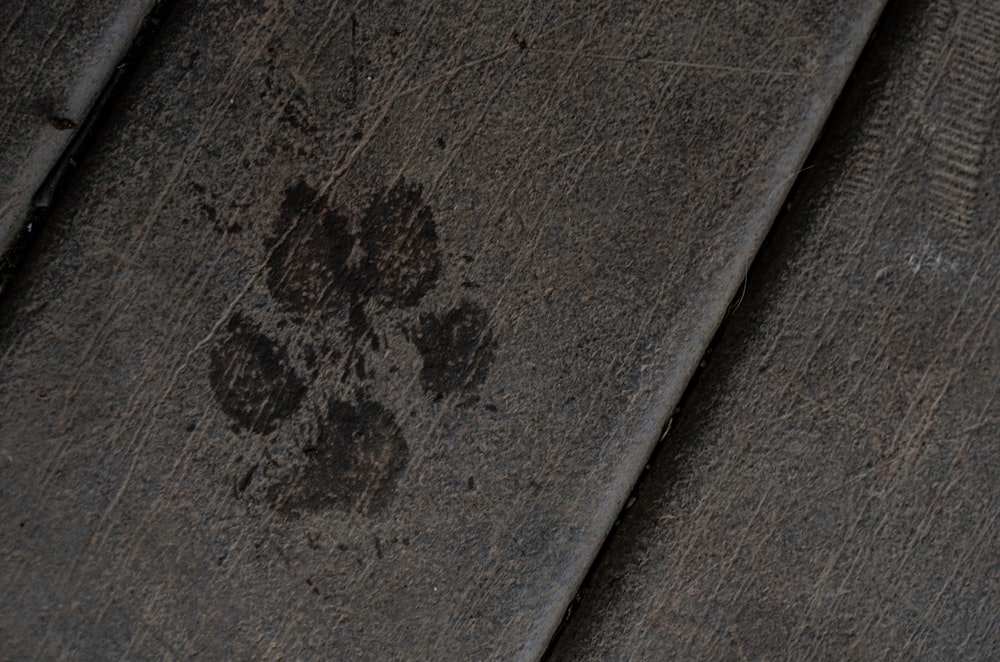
830,489
55,59
361,322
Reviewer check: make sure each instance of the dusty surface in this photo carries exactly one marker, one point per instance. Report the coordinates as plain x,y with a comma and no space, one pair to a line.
56,58
830,489
358,326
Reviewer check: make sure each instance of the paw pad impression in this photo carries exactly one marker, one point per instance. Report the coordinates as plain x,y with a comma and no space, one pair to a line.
347,275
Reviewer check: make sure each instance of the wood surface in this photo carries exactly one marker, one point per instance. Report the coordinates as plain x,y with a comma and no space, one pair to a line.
829,490
55,60
357,326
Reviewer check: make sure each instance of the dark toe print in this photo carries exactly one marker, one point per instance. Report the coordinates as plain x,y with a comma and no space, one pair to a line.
457,349
400,243
309,268
354,280
321,263
251,378
354,463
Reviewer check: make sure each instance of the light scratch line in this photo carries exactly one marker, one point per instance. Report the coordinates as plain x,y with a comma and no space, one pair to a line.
671,63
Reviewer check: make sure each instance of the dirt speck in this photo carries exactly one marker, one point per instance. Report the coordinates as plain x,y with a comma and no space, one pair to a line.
63,123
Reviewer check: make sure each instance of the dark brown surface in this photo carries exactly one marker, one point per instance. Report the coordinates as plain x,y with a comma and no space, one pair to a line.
359,324
55,58
830,489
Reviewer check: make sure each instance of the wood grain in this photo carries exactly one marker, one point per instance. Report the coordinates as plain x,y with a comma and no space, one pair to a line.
829,490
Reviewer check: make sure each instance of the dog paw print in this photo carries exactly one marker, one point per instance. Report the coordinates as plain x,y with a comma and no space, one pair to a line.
351,278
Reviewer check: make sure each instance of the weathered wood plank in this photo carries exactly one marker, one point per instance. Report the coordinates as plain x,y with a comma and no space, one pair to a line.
362,321
56,59
830,489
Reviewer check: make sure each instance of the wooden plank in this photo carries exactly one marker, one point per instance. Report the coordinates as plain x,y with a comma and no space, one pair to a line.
57,58
357,330
830,489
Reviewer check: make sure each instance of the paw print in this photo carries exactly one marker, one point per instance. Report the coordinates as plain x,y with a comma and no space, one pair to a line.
342,278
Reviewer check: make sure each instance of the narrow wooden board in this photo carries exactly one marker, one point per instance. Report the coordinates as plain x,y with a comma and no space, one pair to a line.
830,489
56,59
362,321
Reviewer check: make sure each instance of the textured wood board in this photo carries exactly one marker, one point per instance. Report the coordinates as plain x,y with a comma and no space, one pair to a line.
56,59
830,489
357,328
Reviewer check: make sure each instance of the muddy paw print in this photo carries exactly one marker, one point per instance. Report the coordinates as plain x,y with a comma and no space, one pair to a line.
352,279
